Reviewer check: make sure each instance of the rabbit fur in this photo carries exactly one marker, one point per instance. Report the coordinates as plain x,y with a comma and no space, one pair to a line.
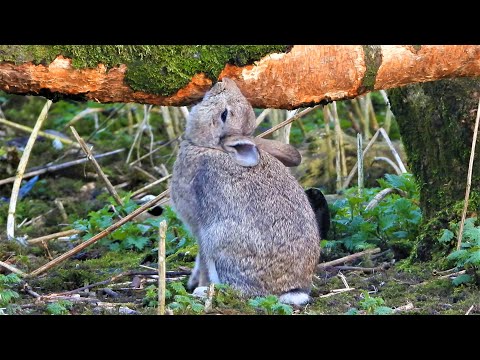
254,225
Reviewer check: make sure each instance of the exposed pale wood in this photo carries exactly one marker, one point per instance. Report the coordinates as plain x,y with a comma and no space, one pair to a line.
355,167
360,164
288,121
379,197
162,233
469,179
97,167
304,76
336,291
394,151
54,236
12,268
469,310
41,133
21,170
149,186
389,162
53,168
407,307
347,258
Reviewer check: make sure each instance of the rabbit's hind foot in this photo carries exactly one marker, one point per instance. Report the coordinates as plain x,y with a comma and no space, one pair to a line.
295,297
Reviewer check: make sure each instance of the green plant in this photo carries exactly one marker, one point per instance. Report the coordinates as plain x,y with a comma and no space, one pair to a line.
270,305
177,298
138,235
61,307
6,292
371,306
468,256
184,302
393,223
151,296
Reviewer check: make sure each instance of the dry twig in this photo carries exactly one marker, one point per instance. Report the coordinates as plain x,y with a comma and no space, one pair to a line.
100,235
12,268
469,178
162,233
53,168
21,170
97,167
347,258
54,236
40,133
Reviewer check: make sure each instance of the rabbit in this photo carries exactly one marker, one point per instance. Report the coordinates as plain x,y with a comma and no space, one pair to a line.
253,222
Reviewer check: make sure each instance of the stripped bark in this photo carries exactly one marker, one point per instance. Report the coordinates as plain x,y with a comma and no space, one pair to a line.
304,76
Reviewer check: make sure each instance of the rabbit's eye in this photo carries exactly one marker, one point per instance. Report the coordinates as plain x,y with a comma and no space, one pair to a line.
224,115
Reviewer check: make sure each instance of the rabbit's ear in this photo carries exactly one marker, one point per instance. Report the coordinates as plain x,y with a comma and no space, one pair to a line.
242,149
286,153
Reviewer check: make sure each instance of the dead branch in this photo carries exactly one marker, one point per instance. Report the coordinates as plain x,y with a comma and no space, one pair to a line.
97,167
288,121
40,133
54,236
100,235
53,168
21,170
149,186
347,258
469,179
12,268
162,233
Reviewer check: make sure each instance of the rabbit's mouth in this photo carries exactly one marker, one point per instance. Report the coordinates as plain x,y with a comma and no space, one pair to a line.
242,149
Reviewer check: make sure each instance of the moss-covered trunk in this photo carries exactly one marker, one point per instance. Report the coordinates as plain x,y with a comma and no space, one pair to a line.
436,121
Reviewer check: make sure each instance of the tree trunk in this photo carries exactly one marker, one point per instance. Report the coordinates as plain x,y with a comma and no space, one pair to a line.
436,122
269,76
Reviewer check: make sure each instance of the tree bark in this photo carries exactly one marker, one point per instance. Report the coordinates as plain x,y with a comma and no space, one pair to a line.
302,75
436,121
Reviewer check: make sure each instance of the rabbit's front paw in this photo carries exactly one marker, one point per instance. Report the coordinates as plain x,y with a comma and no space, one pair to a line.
200,291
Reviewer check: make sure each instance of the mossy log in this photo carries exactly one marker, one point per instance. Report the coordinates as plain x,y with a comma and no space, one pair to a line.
436,120
269,76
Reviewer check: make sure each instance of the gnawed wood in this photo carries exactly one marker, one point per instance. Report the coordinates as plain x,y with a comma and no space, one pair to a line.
304,76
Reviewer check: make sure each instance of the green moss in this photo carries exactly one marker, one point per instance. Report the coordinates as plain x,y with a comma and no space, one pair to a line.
74,274
417,47
373,60
436,123
155,69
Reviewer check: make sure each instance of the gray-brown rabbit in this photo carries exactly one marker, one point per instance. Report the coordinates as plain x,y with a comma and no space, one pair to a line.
253,222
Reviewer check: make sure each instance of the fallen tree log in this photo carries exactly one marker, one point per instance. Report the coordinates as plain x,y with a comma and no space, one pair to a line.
269,76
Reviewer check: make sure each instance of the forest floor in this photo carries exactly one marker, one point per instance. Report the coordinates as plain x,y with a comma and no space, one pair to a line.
106,282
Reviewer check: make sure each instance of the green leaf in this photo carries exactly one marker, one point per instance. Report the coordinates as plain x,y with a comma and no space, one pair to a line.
400,234
282,309
469,223
474,258
462,279
472,234
446,236
352,311
196,307
387,221
383,310
458,254
104,221
178,288
6,296
138,242
183,299
114,246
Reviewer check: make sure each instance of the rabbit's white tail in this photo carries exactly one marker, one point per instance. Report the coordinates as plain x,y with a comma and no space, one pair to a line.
295,297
